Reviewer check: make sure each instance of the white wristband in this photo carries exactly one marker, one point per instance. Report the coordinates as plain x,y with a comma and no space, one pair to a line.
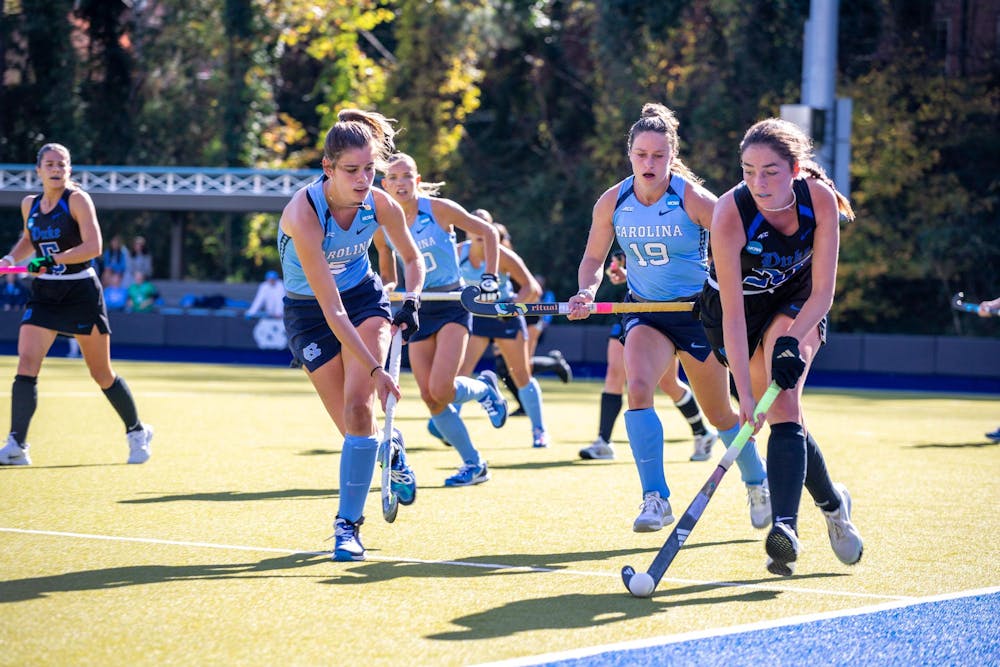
10,259
587,293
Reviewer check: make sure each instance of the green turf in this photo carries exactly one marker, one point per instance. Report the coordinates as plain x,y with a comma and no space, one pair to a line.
213,554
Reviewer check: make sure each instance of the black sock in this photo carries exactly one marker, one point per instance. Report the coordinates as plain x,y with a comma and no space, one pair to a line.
818,482
689,408
543,362
611,406
786,471
121,399
23,401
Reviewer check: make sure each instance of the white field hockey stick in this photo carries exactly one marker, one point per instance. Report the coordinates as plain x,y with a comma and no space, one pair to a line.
13,269
390,502
958,302
428,296
694,511
506,309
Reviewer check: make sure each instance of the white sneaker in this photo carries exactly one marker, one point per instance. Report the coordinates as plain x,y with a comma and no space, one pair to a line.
599,449
844,537
14,454
138,444
759,499
655,513
703,444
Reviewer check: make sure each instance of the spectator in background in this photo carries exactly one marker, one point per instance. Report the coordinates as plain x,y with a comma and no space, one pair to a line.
115,258
14,294
270,297
115,294
142,295
142,259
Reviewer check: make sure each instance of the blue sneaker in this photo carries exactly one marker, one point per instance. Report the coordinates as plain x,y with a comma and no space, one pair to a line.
493,402
401,477
469,474
994,436
433,430
539,438
348,540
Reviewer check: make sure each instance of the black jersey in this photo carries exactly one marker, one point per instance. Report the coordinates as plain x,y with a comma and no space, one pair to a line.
55,231
770,258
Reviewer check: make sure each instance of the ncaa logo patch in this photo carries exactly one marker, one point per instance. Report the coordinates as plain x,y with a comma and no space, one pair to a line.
755,248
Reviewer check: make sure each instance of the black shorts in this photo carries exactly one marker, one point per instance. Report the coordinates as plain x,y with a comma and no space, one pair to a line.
72,306
760,309
500,328
433,315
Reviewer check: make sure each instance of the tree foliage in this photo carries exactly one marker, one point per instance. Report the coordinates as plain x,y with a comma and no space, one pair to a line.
523,109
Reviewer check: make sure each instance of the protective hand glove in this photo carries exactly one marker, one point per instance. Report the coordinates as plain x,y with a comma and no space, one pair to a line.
489,288
406,318
41,264
787,364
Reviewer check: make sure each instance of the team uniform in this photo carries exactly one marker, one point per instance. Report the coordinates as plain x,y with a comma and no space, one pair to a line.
667,258
776,269
310,338
68,298
776,274
437,247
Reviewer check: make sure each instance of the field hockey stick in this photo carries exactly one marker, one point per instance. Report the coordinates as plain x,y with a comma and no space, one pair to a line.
13,269
651,578
390,502
958,302
506,309
427,296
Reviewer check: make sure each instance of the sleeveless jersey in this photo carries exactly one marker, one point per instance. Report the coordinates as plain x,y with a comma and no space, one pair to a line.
666,252
473,275
770,259
437,247
55,231
346,250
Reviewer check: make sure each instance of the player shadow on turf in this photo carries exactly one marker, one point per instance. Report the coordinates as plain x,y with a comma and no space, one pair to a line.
954,445
34,588
236,496
578,611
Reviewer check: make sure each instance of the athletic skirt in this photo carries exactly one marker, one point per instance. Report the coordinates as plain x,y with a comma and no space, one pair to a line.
71,304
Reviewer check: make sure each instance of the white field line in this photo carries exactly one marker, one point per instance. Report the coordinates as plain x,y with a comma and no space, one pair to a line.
737,629
453,563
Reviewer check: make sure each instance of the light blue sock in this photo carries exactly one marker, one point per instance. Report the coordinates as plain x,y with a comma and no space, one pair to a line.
453,429
469,389
530,396
751,465
357,465
645,437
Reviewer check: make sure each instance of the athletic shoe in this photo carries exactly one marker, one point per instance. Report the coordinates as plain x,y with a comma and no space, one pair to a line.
562,368
655,513
703,444
433,430
782,548
845,540
599,449
493,402
348,540
14,454
539,438
402,479
759,499
469,474
138,444
994,436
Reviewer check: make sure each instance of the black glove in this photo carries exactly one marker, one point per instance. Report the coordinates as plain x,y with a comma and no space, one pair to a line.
41,264
489,288
407,315
787,364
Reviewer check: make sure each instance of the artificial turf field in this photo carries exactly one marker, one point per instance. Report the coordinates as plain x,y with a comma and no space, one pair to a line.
214,552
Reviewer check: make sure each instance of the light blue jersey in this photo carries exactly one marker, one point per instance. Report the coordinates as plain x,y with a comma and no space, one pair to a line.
346,250
438,248
666,251
474,275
